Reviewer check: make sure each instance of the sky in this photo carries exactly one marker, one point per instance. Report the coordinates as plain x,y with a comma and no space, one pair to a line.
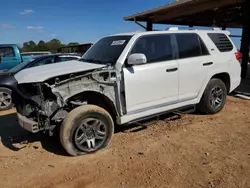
80,21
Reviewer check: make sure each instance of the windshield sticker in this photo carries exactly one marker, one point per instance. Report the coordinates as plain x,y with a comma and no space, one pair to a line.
118,42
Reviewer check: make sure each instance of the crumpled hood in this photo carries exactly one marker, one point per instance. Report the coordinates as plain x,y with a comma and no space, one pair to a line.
45,72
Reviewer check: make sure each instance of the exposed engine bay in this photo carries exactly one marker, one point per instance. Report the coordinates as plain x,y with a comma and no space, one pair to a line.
49,102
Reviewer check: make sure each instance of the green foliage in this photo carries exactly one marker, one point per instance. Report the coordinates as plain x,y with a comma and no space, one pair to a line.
73,43
51,46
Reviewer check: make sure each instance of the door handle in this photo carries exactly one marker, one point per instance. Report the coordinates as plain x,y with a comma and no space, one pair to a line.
172,70
208,64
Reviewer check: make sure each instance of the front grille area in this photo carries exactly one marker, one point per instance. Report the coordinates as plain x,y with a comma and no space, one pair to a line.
28,90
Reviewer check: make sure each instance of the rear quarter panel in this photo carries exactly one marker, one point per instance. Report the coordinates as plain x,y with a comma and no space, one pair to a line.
224,62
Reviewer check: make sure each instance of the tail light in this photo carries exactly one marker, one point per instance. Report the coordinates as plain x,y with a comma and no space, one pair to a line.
238,56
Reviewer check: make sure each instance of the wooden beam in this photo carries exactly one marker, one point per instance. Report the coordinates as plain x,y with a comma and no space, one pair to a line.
149,25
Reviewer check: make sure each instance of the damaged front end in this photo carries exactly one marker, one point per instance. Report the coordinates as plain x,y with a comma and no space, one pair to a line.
38,108
42,106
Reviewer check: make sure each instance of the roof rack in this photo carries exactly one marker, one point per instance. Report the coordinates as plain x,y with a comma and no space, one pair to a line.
173,28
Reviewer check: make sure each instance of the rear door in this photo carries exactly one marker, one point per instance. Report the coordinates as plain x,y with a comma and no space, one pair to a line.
154,84
194,64
8,58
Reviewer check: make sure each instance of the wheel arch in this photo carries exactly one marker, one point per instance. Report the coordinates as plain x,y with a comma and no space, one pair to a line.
225,78
220,74
98,99
6,87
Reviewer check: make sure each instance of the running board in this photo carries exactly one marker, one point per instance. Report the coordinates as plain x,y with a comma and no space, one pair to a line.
149,120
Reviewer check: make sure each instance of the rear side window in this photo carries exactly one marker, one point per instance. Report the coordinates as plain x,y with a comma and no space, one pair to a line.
221,41
190,45
155,47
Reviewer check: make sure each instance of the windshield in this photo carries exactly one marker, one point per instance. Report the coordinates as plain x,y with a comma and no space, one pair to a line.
20,66
107,50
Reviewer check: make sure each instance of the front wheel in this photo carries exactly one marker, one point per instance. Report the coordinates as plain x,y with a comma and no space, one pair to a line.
86,129
214,97
5,99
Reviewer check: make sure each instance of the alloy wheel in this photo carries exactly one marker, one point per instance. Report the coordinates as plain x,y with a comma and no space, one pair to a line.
90,135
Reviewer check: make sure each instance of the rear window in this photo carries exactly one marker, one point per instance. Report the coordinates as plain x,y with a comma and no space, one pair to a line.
221,41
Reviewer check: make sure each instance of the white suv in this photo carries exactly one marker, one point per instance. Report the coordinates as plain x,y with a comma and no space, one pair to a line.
127,78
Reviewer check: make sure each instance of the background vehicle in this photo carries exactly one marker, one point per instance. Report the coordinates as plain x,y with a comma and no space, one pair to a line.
10,56
7,81
75,49
35,53
127,78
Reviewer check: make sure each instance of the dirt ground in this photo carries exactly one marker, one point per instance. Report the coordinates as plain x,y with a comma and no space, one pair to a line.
191,151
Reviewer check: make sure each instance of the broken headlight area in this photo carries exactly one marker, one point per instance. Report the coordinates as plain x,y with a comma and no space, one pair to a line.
37,103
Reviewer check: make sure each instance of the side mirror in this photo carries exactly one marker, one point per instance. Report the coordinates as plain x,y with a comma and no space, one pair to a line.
137,59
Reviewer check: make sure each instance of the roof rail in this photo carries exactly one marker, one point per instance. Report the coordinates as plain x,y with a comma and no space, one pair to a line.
173,28
216,29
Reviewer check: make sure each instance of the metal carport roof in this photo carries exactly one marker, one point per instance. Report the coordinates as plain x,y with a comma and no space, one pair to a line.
224,13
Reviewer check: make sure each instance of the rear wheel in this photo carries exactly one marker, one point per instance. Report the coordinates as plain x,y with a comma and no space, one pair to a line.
214,97
86,129
5,99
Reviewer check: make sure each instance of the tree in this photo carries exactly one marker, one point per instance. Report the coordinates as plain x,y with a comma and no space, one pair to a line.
53,45
42,46
29,46
32,45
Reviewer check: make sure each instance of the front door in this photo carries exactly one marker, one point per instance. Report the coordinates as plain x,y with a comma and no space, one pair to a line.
154,84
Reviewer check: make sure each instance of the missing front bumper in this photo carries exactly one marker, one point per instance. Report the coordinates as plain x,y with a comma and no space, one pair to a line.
28,124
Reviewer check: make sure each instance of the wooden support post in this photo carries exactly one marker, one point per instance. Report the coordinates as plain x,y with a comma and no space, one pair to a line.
149,25
245,38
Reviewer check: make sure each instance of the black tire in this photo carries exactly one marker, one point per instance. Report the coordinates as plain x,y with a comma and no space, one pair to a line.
207,104
78,121
5,99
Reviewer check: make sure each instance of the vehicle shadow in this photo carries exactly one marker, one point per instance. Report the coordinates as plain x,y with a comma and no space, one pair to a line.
16,138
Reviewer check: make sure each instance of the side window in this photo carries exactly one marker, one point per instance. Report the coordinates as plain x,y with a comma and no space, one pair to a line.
72,58
62,59
221,41
45,61
7,52
155,47
189,45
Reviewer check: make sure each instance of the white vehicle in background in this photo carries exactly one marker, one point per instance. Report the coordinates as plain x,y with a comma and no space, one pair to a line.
35,53
127,78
